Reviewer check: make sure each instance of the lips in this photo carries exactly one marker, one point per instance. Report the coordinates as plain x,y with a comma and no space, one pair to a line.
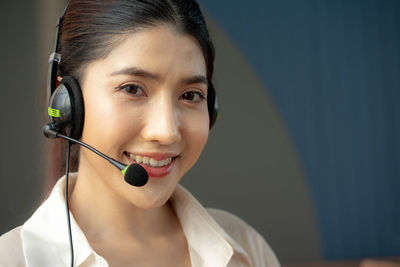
156,165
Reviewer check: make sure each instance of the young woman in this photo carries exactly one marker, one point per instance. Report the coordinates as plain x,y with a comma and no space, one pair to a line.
144,70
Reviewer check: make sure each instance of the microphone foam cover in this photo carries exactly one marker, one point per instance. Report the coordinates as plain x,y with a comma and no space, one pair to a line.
136,175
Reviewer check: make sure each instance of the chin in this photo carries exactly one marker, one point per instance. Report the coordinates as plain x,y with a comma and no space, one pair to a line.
148,204
150,199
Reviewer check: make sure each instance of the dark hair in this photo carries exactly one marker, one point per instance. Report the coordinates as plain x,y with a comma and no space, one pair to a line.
88,32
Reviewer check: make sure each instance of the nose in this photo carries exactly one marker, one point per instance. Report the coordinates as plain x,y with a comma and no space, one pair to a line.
161,122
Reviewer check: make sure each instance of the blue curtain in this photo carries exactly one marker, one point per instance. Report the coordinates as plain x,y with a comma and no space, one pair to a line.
332,67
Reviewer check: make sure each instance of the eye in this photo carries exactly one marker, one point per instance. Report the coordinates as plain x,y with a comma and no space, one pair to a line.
132,89
192,96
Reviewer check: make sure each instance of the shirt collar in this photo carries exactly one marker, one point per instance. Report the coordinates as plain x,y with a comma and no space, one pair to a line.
45,235
209,244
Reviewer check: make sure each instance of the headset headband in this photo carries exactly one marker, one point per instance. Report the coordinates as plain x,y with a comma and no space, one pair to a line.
54,59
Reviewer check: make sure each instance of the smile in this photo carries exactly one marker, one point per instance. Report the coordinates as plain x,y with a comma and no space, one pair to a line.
150,161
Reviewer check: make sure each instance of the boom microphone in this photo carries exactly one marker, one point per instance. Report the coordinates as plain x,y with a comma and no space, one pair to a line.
134,174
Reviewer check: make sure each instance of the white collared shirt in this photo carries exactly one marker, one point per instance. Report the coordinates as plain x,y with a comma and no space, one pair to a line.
215,238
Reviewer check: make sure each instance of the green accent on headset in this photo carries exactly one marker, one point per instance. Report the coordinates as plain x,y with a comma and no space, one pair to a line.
53,112
124,170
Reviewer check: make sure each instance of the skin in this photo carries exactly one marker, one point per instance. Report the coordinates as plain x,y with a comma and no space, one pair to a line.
123,223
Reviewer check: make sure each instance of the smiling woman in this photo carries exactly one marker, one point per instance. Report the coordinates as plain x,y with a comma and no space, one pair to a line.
148,111
139,78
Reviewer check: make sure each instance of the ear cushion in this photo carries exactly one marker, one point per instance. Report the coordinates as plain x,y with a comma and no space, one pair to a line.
78,110
212,104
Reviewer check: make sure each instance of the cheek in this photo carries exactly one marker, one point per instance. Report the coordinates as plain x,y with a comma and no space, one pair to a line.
196,134
103,119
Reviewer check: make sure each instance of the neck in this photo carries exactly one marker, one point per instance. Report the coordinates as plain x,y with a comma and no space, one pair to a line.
103,213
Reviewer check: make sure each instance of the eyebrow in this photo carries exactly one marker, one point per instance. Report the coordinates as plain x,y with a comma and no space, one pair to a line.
134,71
196,79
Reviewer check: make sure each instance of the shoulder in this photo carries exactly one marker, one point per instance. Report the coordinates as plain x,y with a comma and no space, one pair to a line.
11,252
245,236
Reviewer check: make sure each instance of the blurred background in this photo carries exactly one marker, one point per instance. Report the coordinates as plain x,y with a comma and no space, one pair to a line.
307,147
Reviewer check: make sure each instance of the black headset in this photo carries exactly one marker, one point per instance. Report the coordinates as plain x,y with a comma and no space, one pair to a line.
65,106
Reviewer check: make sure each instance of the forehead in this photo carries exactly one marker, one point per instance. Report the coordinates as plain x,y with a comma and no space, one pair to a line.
160,49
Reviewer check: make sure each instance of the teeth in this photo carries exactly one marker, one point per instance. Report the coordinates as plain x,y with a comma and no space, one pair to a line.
138,159
150,161
153,162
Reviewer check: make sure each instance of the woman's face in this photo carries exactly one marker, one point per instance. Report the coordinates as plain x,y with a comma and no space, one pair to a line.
145,102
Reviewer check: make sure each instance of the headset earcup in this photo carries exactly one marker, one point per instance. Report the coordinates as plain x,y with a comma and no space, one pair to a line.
66,108
77,106
213,105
